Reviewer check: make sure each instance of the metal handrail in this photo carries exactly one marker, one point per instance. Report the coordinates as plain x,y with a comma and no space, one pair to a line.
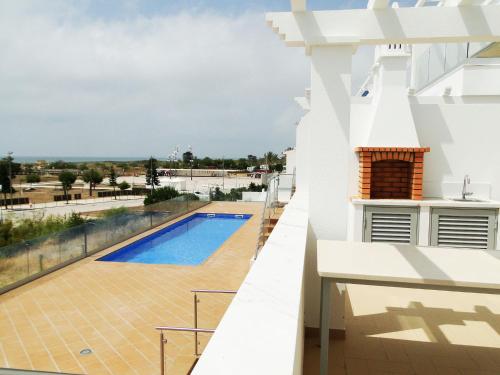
214,291
186,329
195,312
164,341
272,188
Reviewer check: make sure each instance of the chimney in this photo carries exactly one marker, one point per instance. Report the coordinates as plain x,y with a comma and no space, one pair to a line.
391,161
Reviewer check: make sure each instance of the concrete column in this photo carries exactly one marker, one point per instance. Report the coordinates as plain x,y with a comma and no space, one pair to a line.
302,155
330,161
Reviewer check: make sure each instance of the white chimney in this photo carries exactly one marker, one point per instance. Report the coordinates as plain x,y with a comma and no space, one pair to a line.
392,122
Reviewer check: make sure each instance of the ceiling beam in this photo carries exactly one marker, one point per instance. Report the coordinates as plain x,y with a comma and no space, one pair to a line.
377,4
389,25
298,5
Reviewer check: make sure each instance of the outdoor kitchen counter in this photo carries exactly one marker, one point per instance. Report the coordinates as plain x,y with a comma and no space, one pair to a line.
428,202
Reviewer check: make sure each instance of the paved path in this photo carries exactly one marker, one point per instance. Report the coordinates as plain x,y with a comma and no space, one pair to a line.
84,205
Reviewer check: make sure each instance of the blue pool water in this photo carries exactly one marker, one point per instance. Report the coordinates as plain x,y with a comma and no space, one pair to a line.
188,242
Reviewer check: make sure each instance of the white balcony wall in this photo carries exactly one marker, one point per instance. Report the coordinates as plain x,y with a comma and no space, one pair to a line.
477,77
262,331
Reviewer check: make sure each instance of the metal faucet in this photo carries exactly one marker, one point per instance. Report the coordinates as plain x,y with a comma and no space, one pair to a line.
466,193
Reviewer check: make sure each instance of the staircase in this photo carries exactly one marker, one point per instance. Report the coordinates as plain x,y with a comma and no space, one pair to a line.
271,213
268,226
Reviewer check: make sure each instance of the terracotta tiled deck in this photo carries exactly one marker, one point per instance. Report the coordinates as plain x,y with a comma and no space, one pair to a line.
113,308
407,331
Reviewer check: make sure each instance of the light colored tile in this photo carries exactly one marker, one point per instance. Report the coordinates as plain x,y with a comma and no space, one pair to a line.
113,308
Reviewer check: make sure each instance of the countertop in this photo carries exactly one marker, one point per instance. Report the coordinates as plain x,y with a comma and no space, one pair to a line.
427,202
409,264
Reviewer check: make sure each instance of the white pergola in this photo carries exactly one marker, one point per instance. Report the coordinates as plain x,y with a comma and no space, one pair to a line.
330,37
381,24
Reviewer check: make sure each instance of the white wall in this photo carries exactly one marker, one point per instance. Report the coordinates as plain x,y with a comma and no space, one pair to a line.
463,134
302,154
464,139
253,196
290,161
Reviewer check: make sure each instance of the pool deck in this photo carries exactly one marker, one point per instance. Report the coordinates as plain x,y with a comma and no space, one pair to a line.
113,308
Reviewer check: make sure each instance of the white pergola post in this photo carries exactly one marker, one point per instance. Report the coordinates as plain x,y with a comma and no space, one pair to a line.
329,122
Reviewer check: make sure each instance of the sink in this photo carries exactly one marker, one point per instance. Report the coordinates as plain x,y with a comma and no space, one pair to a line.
467,200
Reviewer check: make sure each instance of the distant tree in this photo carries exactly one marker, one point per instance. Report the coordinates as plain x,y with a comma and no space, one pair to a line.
187,157
278,167
8,171
124,185
252,159
152,173
67,179
112,180
92,177
27,169
206,162
242,163
271,158
33,178
61,164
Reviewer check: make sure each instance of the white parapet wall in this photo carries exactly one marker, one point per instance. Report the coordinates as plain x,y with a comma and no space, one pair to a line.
262,330
253,196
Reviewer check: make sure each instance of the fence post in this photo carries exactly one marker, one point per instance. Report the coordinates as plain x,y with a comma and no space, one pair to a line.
28,258
40,262
85,251
151,219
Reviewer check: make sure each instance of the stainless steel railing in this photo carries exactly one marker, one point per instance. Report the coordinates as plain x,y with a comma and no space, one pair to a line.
164,341
195,330
270,204
195,307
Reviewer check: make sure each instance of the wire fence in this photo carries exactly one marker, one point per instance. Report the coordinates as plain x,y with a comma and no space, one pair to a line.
26,261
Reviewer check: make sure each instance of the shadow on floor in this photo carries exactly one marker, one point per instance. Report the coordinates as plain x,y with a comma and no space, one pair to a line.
410,341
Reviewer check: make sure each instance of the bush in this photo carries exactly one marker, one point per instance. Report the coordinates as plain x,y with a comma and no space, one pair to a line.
191,196
124,185
32,178
255,187
160,195
75,219
235,194
114,212
36,226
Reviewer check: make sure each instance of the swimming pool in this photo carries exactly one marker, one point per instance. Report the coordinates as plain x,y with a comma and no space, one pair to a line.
189,241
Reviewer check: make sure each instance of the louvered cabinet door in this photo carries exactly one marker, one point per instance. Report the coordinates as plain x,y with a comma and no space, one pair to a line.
469,228
391,224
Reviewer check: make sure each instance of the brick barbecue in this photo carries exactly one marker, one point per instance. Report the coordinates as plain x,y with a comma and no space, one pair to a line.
391,172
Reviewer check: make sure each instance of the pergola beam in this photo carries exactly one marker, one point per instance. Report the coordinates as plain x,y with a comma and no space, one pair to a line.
389,25
377,4
298,5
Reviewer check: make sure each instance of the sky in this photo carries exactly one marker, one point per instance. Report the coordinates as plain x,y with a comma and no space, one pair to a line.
141,77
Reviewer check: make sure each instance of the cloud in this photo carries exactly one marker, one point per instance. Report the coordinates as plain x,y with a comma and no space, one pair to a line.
72,84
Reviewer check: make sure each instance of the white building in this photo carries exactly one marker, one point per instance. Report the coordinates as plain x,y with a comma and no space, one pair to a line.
393,165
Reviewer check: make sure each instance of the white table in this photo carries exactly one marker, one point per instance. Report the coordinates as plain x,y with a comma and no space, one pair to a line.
405,266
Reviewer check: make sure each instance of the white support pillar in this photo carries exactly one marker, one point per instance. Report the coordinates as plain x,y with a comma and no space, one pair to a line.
302,156
329,166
